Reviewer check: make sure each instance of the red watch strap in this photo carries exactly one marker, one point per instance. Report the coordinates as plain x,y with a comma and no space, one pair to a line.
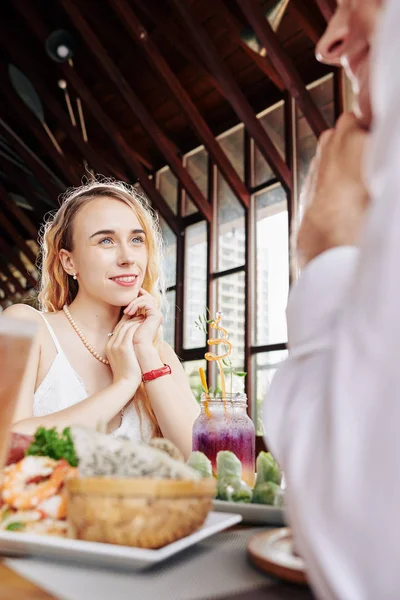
156,373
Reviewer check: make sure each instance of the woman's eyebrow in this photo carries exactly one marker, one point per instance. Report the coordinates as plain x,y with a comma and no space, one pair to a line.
112,232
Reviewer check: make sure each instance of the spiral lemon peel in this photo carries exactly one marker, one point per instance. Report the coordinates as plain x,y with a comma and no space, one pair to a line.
212,357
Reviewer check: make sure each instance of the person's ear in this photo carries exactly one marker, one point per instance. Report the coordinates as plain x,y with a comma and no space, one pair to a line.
67,262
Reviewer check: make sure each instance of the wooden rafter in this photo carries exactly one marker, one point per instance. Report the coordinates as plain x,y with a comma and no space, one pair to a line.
255,16
18,213
131,161
327,8
15,259
263,63
42,176
141,36
165,146
18,178
232,92
310,22
24,60
18,239
166,27
31,122
7,272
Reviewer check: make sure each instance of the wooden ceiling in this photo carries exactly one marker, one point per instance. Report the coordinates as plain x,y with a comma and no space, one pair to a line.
155,79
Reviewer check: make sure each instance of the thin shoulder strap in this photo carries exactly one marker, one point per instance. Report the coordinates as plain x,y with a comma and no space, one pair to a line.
53,335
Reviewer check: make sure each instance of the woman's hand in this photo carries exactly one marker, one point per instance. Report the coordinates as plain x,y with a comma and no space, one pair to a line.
121,352
146,332
334,195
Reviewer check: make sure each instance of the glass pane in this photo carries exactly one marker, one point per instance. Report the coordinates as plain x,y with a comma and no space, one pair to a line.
231,228
265,365
195,283
197,165
192,372
274,124
230,295
169,259
323,95
169,318
272,261
167,183
233,146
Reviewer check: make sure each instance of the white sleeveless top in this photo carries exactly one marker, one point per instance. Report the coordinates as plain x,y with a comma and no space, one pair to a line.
62,387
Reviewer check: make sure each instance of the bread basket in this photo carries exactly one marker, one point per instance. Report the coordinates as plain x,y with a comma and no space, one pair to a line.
147,513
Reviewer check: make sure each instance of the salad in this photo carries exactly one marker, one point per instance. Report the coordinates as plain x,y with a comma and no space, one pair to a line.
231,487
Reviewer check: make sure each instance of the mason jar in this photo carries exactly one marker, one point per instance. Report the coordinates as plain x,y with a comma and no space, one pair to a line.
224,424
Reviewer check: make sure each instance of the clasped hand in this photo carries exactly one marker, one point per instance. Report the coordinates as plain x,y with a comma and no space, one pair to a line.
334,195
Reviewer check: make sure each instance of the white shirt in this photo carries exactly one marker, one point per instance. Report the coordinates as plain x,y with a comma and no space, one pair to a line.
332,416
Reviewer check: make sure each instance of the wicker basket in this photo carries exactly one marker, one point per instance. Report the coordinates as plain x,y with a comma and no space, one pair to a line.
147,513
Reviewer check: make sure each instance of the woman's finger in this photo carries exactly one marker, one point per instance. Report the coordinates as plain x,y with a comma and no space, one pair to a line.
141,302
119,331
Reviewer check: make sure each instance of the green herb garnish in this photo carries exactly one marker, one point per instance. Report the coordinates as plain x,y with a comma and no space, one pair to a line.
48,442
16,526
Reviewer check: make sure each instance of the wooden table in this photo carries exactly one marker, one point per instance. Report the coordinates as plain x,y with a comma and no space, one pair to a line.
15,587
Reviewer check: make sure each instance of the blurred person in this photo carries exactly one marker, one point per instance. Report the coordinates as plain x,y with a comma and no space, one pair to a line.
332,416
100,324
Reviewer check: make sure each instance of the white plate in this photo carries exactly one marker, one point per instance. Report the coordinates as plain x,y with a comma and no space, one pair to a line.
260,514
108,555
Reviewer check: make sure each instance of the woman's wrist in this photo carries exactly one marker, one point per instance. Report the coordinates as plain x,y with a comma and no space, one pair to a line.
126,388
148,358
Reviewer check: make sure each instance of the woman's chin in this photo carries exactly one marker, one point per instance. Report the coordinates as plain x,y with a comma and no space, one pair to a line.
363,110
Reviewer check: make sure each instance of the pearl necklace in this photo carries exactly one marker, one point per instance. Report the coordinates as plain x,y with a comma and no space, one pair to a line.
84,340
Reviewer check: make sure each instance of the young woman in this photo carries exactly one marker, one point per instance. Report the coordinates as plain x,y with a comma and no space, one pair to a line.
99,355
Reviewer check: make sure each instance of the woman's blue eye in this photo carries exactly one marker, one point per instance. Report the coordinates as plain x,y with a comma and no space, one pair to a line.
104,240
138,240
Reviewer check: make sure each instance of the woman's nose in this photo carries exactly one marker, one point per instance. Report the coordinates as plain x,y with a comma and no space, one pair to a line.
331,46
126,256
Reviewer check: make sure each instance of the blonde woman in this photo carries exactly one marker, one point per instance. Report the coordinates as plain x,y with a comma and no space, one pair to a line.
99,355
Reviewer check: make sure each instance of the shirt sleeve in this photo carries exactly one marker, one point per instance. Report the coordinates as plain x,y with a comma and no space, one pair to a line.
332,416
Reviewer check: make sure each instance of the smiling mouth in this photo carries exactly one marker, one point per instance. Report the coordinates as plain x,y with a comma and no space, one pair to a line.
125,279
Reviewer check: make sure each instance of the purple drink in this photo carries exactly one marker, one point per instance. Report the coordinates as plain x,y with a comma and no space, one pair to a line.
228,427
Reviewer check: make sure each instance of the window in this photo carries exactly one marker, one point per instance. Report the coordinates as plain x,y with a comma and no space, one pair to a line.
265,365
272,266
168,186
273,121
195,283
215,267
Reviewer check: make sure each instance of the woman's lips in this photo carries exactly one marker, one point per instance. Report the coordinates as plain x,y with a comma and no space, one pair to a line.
125,281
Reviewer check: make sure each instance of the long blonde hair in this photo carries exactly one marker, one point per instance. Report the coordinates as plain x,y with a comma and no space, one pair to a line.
58,288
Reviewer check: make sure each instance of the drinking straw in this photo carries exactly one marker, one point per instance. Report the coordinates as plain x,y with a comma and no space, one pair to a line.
211,356
205,387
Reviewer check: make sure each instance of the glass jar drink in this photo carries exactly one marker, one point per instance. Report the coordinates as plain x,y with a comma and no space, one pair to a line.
223,424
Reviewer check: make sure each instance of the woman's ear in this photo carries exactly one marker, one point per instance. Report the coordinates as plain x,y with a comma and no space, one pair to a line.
67,262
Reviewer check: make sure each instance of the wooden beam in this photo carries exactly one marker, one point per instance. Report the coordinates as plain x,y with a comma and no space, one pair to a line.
263,63
18,178
18,213
25,116
327,8
166,27
283,63
17,238
4,290
232,92
15,259
22,58
311,23
42,176
7,272
28,12
141,36
164,145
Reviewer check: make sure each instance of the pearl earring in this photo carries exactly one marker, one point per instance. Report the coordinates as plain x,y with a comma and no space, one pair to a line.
74,276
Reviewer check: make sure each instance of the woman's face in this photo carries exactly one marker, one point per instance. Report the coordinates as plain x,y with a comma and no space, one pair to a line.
347,42
110,251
